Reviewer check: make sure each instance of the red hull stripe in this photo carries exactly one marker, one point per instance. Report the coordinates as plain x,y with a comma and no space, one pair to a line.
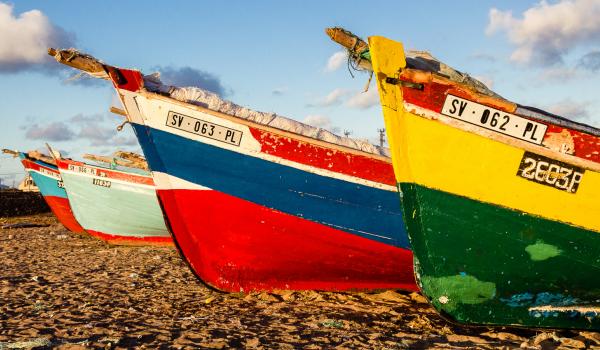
236,245
106,173
434,94
31,165
328,158
128,240
62,210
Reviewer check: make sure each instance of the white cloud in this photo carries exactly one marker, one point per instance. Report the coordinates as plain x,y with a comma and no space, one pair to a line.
558,74
570,109
317,120
95,129
333,98
548,31
590,61
55,131
364,100
189,76
25,39
321,121
336,61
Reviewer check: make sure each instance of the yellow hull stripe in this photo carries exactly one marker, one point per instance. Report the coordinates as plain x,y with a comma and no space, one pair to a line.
435,155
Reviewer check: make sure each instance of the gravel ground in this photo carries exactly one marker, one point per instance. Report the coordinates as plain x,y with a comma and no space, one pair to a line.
62,290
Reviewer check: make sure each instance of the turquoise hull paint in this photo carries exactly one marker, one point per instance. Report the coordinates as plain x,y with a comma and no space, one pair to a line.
124,209
48,186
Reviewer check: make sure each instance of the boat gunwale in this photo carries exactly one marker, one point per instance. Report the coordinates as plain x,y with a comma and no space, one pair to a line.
284,133
495,136
40,163
425,77
80,163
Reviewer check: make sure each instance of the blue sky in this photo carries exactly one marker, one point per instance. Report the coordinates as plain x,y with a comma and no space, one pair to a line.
273,56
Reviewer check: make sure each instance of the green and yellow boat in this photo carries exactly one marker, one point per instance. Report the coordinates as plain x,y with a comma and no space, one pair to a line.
501,201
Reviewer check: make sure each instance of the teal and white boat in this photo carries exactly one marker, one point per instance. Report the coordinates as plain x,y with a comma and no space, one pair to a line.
114,203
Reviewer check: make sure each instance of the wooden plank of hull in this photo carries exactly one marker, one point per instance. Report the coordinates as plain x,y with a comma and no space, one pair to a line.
490,246
116,206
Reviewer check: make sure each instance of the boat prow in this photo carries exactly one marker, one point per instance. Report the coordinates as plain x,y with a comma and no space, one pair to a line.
500,200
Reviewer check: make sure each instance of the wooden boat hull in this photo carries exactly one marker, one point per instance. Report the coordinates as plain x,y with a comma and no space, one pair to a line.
115,206
272,211
47,179
491,245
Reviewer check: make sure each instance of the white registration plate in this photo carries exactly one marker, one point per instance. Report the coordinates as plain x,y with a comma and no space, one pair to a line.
204,128
494,119
49,173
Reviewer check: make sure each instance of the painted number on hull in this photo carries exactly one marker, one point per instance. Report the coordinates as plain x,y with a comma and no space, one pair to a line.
49,173
102,183
550,172
60,184
82,169
494,119
204,128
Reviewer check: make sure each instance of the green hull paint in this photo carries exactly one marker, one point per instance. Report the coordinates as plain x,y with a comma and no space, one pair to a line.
485,264
125,210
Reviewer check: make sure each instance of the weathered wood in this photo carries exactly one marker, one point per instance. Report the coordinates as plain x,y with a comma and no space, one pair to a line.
134,158
39,156
11,152
118,111
116,160
75,59
348,40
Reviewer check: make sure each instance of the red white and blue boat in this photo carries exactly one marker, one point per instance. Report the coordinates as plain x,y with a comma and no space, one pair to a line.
256,201
45,175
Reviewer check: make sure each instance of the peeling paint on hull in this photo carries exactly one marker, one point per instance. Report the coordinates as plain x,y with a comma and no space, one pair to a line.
275,209
452,234
470,211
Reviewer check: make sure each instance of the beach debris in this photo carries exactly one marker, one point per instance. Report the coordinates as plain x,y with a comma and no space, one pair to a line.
503,336
26,344
333,324
22,225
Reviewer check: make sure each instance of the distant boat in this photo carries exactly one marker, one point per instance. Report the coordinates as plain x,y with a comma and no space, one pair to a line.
256,201
501,200
115,204
45,174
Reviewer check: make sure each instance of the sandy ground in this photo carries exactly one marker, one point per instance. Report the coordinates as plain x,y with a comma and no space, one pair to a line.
61,290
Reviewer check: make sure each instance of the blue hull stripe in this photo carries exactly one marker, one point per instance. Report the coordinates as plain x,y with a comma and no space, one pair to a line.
366,211
48,186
